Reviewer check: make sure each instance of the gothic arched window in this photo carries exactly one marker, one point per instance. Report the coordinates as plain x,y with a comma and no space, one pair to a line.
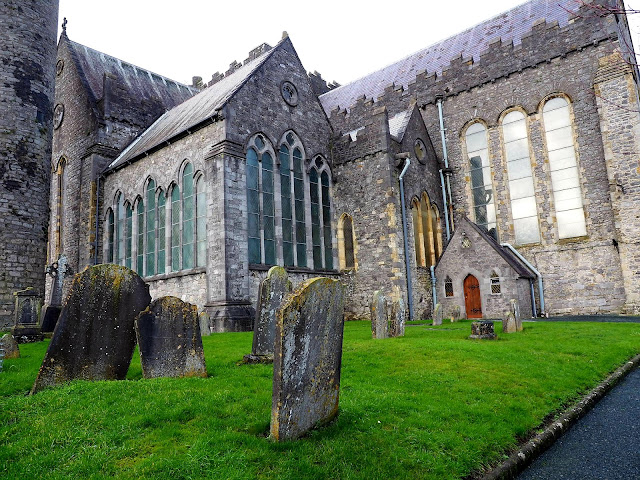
201,222
128,232
346,242
110,236
521,189
294,232
120,231
162,242
484,209
436,229
418,234
175,228
565,178
150,251
140,254
320,215
188,217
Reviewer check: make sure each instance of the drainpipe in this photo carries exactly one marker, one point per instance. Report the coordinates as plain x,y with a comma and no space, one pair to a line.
533,269
446,167
434,294
404,230
533,299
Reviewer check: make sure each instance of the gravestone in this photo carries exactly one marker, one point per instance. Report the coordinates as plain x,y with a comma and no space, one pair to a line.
437,314
307,358
271,293
379,316
205,326
58,270
483,330
398,317
95,337
10,346
455,313
169,340
26,315
515,311
509,323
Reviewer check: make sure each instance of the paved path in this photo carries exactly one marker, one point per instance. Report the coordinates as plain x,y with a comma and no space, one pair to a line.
603,445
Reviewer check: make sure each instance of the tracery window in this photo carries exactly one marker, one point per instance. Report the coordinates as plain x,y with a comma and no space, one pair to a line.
521,188
427,231
320,215
448,287
128,232
260,202
188,217
436,229
151,228
495,283
140,225
162,216
175,228
418,235
346,242
120,232
565,178
201,222
480,171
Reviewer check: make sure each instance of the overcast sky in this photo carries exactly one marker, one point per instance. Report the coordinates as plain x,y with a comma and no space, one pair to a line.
343,40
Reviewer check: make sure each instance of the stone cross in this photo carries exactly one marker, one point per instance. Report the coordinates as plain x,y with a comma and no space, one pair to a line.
271,293
307,358
168,334
437,314
379,316
398,317
95,336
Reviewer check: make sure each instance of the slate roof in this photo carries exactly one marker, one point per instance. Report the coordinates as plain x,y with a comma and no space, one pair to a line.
398,124
510,26
190,113
521,269
141,83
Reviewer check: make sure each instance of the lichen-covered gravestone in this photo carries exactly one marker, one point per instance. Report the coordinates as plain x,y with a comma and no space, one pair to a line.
515,311
398,316
271,293
10,346
95,337
307,358
205,325
437,314
509,323
26,327
455,313
482,330
169,340
379,316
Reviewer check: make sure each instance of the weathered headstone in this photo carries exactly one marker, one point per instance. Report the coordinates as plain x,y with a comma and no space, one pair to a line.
483,330
379,316
307,358
205,326
271,293
26,316
59,270
398,317
515,310
437,314
455,313
168,334
509,323
95,336
10,346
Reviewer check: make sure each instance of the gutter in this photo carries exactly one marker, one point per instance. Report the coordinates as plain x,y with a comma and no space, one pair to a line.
404,231
534,270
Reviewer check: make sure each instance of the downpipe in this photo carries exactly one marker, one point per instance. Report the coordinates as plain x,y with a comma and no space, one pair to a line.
445,156
434,293
534,270
404,231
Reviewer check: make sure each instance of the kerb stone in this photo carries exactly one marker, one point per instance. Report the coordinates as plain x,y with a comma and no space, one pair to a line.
437,314
398,317
95,336
271,293
379,316
169,340
307,358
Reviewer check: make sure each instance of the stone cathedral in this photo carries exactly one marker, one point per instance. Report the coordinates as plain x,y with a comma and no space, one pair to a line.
501,163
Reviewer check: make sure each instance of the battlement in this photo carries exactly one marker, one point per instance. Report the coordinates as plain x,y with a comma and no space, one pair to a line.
235,65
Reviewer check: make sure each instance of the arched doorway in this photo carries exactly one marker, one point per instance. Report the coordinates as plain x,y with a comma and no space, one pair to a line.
472,301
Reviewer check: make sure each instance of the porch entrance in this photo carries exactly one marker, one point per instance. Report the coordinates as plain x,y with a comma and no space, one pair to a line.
472,301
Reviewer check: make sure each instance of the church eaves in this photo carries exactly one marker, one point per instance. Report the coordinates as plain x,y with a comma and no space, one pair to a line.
509,26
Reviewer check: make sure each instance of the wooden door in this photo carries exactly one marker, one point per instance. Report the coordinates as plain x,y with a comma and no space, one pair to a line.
472,301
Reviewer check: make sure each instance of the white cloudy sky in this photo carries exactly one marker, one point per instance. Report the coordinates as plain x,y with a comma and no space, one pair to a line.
343,40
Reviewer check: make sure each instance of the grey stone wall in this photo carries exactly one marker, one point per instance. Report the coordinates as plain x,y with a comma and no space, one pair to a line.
27,69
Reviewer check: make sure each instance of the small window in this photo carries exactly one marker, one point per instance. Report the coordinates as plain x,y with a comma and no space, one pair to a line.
495,284
346,243
448,287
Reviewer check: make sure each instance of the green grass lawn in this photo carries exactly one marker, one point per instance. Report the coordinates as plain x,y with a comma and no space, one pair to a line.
430,405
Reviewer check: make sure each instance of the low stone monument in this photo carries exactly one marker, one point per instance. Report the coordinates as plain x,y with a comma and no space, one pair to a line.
271,293
95,336
515,310
26,316
10,346
205,326
169,340
437,314
455,313
483,330
307,358
379,316
509,323
398,317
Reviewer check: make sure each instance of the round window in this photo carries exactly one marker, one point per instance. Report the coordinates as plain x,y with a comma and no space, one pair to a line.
420,150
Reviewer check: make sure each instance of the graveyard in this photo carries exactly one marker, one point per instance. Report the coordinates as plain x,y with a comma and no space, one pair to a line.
429,404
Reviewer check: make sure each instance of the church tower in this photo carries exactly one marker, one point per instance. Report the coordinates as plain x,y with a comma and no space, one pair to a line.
27,69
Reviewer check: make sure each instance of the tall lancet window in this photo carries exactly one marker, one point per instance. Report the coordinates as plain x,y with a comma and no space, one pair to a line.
482,196
321,237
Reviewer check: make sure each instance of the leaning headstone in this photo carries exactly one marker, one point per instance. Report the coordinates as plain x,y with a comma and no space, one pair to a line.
205,325
10,346
455,313
437,314
168,334
27,316
379,316
398,317
509,323
515,311
483,330
307,358
95,337
271,293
